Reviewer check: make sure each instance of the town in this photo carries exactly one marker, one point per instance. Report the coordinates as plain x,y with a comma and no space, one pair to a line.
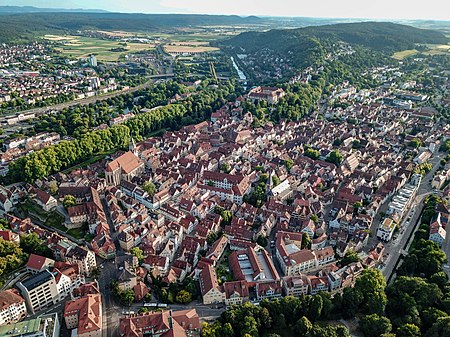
212,178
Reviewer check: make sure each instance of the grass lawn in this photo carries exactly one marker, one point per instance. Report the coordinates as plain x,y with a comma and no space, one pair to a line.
55,220
77,233
31,206
52,219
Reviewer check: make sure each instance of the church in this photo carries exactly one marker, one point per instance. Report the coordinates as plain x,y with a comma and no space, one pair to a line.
125,167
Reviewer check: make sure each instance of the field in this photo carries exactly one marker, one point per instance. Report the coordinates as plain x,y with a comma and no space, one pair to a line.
438,49
404,53
82,47
434,49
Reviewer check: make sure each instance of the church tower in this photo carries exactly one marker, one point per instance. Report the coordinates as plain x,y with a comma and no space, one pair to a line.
132,147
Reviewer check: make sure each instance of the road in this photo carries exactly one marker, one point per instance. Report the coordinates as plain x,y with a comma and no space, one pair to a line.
111,311
89,100
411,221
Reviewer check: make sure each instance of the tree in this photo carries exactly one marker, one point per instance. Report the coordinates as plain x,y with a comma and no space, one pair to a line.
430,257
289,163
350,257
303,326
53,186
149,187
127,297
334,157
375,325
440,329
415,143
275,181
136,251
69,201
226,217
351,301
250,327
315,307
224,167
95,272
31,244
408,330
371,283
306,241
183,297
262,241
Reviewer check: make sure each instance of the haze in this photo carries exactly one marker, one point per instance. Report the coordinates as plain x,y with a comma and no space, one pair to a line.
381,9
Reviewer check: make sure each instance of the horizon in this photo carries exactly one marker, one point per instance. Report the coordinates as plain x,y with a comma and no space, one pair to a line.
325,9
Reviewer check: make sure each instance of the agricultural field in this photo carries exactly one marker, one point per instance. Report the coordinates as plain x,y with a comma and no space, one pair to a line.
438,49
433,49
404,53
81,47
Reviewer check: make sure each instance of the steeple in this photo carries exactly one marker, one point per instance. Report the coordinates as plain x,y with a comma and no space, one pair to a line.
132,147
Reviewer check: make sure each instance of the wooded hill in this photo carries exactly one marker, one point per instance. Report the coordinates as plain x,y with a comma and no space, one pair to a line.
381,36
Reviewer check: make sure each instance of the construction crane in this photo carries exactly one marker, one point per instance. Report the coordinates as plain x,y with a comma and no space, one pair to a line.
213,71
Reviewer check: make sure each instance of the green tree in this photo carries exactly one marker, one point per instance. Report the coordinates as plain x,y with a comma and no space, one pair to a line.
408,330
226,217
303,326
289,163
371,283
69,200
149,187
136,251
262,241
306,241
31,244
350,257
415,143
224,167
375,325
53,186
250,327
275,181
183,297
127,297
334,157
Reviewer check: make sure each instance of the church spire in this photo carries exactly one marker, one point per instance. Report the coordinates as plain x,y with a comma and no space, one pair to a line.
132,146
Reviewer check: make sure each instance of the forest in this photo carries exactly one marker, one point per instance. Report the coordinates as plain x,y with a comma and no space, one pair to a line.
22,26
382,36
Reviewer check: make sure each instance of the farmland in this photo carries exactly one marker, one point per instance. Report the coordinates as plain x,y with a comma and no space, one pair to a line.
82,47
432,49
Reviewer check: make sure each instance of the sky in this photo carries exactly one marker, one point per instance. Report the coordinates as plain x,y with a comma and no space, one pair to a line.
372,9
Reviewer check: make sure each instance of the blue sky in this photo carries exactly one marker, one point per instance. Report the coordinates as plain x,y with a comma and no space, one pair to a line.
380,9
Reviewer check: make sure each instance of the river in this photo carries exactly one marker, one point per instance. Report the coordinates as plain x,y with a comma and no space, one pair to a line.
240,72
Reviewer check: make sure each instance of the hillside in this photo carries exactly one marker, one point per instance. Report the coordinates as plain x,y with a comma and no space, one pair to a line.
278,54
382,36
19,26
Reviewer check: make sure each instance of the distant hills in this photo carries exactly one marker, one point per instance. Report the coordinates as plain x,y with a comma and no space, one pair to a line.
17,26
31,9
